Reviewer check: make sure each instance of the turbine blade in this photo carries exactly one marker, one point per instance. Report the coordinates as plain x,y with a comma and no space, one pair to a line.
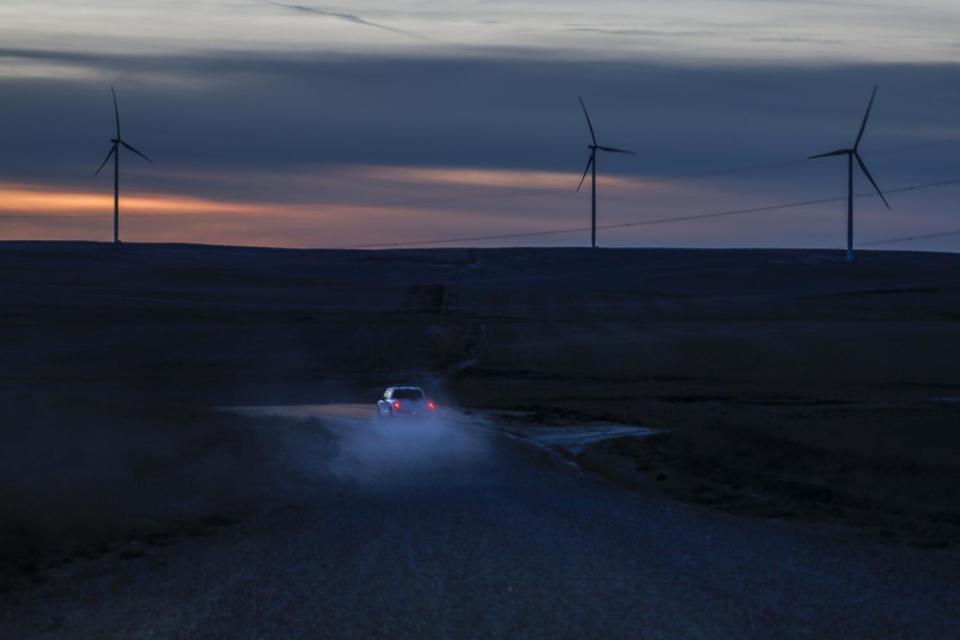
589,162
838,152
116,110
615,150
113,150
136,152
870,178
863,125
593,136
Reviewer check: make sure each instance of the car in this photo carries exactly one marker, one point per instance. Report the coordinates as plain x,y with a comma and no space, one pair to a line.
404,401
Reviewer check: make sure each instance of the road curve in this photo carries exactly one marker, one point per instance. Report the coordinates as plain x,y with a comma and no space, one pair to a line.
418,531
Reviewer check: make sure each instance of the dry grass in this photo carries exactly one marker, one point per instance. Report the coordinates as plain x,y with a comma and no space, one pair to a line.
794,382
78,474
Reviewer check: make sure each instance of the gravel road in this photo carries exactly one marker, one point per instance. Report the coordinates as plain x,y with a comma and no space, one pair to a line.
444,530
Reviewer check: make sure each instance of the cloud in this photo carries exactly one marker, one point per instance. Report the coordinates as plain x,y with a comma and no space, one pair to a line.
833,4
797,40
467,140
885,31
493,178
644,33
348,17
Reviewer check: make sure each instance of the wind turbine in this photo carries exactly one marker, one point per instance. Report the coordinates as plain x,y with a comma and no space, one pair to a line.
116,143
592,164
851,153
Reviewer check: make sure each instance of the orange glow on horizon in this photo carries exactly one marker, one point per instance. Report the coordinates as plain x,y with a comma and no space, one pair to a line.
496,178
22,199
340,206
26,212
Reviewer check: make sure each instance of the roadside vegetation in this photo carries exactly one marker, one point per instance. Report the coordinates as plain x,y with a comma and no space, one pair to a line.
890,473
86,477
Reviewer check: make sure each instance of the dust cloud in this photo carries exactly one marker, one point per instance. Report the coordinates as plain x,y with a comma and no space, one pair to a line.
400,452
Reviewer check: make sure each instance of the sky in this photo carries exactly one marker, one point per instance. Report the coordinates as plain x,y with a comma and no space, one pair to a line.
360,124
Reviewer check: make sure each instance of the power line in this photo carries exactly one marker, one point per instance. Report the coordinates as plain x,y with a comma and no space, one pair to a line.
642,223
925,236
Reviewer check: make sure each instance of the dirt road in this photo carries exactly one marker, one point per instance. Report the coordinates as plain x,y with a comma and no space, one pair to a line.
448,530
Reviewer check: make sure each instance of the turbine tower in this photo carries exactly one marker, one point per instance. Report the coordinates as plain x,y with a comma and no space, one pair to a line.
115,144
854,153
592,164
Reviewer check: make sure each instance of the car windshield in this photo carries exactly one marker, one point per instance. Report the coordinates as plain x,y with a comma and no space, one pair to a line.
407,394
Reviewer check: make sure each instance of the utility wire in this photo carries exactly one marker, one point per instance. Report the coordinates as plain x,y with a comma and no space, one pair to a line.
642,223
925,236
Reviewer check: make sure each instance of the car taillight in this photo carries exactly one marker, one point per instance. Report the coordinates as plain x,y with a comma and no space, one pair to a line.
396,404
431,405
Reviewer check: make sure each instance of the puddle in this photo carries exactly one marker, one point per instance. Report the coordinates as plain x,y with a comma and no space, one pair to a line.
574,438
